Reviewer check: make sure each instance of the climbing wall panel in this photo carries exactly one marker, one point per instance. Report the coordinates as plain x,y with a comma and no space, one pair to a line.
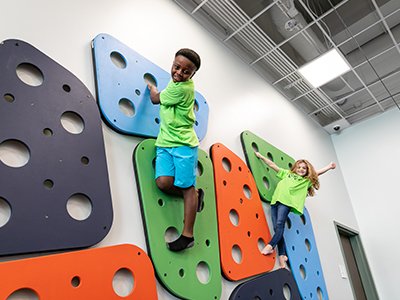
264,176
303,255
299,236
52,121
195,272
123,97
81,275
275,285
242,226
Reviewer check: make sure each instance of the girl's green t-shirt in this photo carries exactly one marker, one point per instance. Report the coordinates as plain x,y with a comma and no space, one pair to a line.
177,115
291,190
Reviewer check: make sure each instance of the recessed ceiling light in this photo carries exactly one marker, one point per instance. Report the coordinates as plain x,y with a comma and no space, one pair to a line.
324,68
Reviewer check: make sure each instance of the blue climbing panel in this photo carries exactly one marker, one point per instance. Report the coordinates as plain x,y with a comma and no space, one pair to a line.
122,93
303,256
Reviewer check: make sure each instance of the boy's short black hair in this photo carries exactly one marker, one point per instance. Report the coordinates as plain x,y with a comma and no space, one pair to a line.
190,55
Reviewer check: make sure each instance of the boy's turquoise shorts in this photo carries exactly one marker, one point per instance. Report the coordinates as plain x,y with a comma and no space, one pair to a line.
178,162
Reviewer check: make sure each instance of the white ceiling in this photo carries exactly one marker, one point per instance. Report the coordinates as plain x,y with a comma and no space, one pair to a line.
277,37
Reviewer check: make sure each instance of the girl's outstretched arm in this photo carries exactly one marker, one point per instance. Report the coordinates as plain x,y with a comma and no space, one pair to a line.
325,169
269,162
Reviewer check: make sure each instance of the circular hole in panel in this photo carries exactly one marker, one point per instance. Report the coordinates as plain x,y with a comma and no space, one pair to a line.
293,248
126,107
149,79
290,165
271,292
302,272
118,60
269,155
224,182
255,147
66,88
9,98
308,245
123,282
317,273
286,292
75,281
14,153
199,169
137,92
79,207
303,219
181,272
171,234
247,191
203,272
261,244
85,160
48,184
320,294
5,212
226,164
208,243
240,169
297,231
248,233
47,132
288,223
157,120
160,202
237,254
196,105
23,294
234,217
29,74
72,122
196,123
265,182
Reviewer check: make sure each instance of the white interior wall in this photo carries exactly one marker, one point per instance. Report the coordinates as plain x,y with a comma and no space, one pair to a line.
238,99
368,153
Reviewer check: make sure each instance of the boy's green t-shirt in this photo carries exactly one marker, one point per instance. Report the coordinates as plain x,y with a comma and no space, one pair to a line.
177,115
291,190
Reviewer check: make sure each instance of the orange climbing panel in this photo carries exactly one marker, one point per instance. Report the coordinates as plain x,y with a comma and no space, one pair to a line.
86,274
242,226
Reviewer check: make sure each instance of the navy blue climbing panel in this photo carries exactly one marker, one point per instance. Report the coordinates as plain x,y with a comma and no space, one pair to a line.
66,165
276,285
122,93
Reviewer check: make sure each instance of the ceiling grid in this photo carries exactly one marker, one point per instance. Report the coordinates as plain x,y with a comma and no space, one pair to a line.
277,37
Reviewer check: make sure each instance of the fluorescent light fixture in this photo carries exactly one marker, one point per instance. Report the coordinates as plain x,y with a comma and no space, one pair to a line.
324,68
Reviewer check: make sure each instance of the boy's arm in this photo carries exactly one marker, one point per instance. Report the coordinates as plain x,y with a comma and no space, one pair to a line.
154,94
331,166
269,162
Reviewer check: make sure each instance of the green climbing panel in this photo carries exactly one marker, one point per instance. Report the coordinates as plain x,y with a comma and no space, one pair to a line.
195,272
264,176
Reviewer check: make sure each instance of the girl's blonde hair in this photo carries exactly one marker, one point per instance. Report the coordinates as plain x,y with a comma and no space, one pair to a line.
311,175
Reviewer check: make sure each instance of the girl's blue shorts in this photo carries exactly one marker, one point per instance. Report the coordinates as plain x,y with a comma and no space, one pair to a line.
178,162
